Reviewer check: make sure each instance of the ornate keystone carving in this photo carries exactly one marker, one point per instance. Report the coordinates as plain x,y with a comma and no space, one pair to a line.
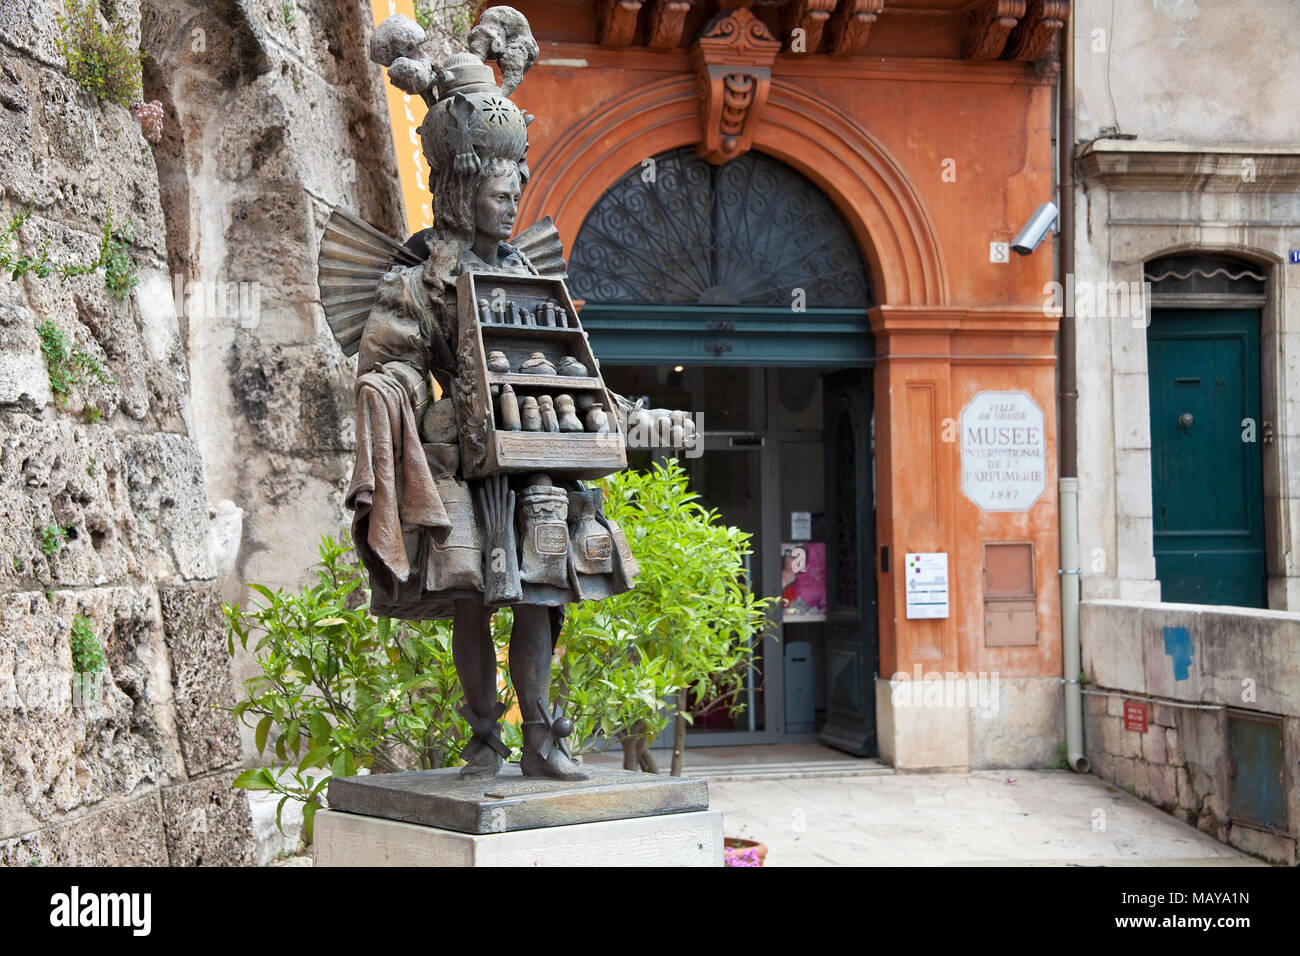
616,21
851,25
1032,38
985,27
667,20
733,59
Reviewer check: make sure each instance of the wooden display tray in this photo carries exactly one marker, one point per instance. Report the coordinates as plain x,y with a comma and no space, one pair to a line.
489,450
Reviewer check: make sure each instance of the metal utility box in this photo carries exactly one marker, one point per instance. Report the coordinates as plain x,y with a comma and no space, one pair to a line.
800,707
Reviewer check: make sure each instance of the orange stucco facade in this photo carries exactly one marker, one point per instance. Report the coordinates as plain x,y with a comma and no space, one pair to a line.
929,158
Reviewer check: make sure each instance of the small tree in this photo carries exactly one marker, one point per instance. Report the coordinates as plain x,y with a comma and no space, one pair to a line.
684,636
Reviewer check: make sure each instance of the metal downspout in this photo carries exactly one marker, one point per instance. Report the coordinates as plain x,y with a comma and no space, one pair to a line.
1068,498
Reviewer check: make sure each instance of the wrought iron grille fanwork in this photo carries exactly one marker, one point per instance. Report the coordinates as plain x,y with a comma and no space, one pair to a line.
1204,273
678,230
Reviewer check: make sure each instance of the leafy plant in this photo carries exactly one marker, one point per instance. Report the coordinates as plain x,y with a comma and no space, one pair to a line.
100,61
88,658
286,8
341,689
66,366
52,539
684,635
114,257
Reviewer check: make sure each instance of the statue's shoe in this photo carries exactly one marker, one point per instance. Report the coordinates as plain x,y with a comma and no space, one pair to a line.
484,765
555,765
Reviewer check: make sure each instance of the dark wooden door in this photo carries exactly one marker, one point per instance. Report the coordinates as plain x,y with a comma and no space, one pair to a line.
1206,465
851,636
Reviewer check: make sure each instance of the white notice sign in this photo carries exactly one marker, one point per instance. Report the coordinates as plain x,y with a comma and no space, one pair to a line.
1003,451
926,585
800,525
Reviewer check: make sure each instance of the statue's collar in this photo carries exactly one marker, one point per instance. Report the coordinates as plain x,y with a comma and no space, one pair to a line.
509,259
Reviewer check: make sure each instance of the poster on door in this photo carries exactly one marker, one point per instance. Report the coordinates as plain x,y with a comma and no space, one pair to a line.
803,582
1003,451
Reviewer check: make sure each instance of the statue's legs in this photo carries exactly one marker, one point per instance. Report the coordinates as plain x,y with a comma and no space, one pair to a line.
531,646
476,666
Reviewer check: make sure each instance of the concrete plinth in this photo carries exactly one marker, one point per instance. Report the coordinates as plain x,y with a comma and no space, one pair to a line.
673,839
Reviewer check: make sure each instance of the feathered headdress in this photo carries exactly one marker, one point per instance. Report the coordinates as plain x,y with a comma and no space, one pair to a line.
470,119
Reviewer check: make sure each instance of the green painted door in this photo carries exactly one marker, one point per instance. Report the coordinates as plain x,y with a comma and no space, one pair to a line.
1206,470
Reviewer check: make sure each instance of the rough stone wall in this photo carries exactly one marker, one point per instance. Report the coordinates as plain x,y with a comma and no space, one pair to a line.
1240,661
211,416
274,115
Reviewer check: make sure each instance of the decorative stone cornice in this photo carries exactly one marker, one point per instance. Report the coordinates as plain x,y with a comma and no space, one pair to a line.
667,21
732,60
1187,167
616,21
986,26
1033,35
810,16
851,25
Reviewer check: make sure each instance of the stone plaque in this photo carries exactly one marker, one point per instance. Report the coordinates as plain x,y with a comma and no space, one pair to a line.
1003,451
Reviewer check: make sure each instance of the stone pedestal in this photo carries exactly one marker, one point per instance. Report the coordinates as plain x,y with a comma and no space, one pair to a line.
433,818
673,839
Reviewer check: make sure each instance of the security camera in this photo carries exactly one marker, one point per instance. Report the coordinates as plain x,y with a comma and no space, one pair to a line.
1032,233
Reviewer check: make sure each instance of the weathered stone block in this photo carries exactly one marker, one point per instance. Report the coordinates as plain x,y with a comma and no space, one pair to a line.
165,477
66,744
129,834
55,473
195,633
1163,784
1153,746
208,823
1020,727
1124,772
1173,754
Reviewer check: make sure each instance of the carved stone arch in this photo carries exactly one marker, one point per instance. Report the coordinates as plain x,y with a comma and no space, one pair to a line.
868,187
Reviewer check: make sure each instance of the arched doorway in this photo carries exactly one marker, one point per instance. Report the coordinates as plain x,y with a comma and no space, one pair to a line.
1208,432
739,293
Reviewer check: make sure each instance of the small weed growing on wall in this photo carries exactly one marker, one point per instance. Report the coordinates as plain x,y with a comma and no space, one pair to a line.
114,257
287,9
52,539
87,654
67,366
100,61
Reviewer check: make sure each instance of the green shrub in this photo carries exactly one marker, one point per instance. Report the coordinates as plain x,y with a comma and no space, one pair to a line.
684,635
341,689
100,61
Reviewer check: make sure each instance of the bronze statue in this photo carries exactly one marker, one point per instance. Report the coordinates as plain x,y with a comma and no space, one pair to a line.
475,500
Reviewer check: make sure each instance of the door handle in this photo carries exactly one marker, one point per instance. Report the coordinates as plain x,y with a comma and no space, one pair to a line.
1185,420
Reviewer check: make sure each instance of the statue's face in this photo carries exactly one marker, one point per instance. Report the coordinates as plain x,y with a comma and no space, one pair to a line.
495,204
